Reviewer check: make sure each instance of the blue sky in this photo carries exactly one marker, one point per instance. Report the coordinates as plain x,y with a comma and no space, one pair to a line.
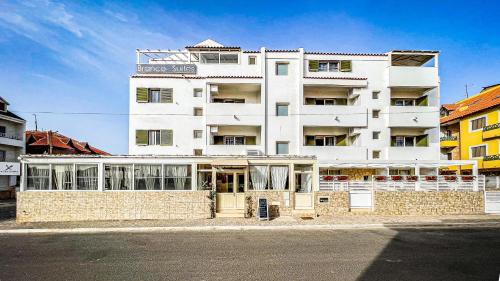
76,56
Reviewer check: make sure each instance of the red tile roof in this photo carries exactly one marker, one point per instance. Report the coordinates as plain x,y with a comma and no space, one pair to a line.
39,142
489,97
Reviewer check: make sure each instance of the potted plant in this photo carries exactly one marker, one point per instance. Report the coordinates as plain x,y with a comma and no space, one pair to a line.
467,178
396,178
342,178
411,178
430,178
380,178
327,178
450,178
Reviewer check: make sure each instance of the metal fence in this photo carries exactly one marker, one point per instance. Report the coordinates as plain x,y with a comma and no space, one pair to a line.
404,183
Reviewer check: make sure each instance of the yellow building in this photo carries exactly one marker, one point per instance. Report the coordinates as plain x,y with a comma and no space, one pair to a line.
470,130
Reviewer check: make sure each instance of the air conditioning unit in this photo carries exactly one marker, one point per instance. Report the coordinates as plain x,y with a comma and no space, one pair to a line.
214,89
254,152
214,129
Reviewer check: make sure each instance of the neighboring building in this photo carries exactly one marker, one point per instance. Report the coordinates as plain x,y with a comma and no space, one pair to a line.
470,130
211,99
12,129
48,142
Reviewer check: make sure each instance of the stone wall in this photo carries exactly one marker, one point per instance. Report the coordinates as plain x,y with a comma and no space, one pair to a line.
251,198
112,205
358,174
338,203
429,203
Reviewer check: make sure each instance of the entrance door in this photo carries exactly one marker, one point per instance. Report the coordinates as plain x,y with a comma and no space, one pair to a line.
303,191
230,187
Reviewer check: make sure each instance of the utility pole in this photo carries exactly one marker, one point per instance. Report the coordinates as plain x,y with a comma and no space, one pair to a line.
36,122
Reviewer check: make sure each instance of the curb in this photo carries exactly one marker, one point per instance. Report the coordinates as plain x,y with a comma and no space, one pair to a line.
243,228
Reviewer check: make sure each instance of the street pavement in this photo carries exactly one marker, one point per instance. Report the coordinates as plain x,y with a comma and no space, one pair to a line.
378,254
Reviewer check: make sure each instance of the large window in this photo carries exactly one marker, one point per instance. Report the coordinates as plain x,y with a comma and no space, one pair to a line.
478,151
264,177
37,177
234,140
154,137
478,123
326,140
147,177
86,176
177,177
409,141
62,177
216,58
326,101
118,177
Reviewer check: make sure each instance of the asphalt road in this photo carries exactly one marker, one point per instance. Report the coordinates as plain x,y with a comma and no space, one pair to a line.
409,254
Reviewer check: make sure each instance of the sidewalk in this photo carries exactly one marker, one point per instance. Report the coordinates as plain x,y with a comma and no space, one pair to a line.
341,222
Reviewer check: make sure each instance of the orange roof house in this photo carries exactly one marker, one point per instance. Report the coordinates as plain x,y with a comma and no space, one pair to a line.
48,142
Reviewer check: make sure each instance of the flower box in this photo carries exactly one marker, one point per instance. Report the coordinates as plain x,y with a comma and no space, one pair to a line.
327,178
342,178
450,178
396,178
430,178
380,178
467,178
411,178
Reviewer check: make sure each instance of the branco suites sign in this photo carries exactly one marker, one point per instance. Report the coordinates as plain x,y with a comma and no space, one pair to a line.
166,69
10,169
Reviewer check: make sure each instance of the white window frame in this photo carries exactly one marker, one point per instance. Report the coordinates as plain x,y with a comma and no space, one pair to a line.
478,117
195,136
474,146
328,63
196,91
282,63
254,58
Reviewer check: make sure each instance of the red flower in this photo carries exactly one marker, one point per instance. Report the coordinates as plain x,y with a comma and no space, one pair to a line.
396,178
450,178
411,178
342,178
467,178
380,178
327,178
430,178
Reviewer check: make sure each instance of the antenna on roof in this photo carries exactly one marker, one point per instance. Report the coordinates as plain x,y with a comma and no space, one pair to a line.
36,122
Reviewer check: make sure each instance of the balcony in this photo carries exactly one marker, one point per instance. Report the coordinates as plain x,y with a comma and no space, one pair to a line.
413,76
11,140
412,116
414,152
324,153
448,141
334,115
233,149
491,131
235,113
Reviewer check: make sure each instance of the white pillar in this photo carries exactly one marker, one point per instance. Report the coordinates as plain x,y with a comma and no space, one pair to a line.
475,174
100,176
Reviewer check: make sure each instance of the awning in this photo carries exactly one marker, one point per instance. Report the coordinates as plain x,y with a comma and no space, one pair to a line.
229,162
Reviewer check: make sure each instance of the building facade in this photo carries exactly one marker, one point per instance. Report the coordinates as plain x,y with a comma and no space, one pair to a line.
12,129
470,130
335,106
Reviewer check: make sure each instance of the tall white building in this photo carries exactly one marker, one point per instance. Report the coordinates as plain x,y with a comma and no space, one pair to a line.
211,99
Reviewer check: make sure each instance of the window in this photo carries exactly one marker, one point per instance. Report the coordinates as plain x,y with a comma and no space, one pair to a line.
198,152
281,68
234,140
281,109
478,151
177,177
162,95
3,155
375,95
86,177
252,60
198,111
3,106
197,134
118,177
37,177
197,92
154,137
400,141
229,58
323,101
375,113
478,123
409,141
325,66
62,177
209,58
376,135
326,140
402,102
223,100
2,131
147,177
216,58
376,154
281,147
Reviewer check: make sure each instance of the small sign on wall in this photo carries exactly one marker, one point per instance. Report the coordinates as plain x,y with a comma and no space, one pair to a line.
10,169
324,200
166,69
262,209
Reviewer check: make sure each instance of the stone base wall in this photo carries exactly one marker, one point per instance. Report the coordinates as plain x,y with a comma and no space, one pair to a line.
251,198
429,203
338,203
112,205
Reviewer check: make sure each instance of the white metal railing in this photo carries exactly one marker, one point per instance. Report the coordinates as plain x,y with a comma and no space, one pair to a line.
14,137
405,183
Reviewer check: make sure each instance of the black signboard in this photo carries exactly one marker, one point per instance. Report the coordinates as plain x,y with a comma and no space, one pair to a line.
262,209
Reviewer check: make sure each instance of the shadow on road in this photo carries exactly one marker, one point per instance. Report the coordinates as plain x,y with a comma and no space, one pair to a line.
438,254
7,210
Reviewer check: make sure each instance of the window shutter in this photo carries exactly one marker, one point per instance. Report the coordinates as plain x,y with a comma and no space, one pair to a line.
422,140
422,101
250,140
142,94
141,137
313,65
166,95
345,65
166,137
341,101
393,141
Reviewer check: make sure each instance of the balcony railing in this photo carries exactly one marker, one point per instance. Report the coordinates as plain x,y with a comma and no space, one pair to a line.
404,183
448,138
12,137
491,127
491,157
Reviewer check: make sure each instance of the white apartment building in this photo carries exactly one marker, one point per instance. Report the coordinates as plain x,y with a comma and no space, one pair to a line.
12,129
379,112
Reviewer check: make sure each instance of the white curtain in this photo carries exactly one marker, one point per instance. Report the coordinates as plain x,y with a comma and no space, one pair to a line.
259,175
119,177
62,177
179,175
305,182
39,176
86,177
150,175
279,175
